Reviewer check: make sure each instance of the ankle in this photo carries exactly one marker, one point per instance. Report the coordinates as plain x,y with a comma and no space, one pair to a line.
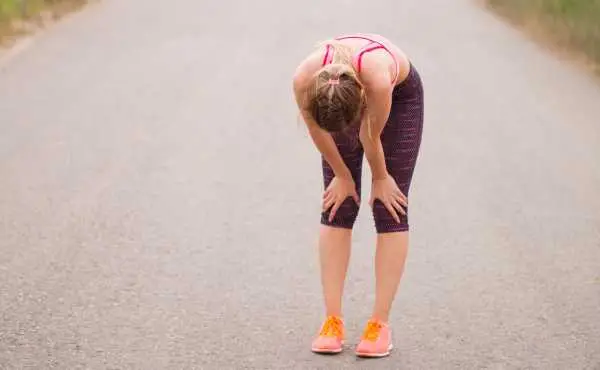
336,314
381,318
336,318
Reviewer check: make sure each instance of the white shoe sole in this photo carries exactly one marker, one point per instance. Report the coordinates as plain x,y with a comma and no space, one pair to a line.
328,351
376,355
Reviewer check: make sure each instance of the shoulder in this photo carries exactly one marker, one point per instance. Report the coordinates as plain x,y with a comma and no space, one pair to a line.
375,74
306,70
400,56
303,76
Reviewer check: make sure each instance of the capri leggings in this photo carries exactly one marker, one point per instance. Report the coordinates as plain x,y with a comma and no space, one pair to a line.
401,140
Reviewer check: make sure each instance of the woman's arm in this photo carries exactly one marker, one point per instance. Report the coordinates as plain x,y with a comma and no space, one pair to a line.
378,111
325,144
321,138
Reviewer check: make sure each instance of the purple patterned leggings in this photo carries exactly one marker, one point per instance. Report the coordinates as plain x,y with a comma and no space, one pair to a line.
401,139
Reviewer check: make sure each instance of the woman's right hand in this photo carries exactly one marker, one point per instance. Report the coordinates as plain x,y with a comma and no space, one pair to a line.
337,192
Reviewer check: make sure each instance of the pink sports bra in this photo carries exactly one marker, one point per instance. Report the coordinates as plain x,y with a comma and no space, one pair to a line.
357,59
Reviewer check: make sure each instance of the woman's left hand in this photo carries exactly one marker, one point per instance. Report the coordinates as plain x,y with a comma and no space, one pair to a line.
387,191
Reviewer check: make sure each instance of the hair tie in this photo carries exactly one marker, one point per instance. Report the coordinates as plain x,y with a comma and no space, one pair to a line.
333,81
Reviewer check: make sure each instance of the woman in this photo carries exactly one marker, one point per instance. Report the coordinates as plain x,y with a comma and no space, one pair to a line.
359,94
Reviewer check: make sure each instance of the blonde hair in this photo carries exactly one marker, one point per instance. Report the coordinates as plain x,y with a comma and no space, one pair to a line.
336,98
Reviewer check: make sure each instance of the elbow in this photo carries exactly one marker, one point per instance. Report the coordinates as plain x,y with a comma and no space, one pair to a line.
368,136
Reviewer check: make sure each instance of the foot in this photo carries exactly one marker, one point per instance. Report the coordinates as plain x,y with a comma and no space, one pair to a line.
331,336
376,340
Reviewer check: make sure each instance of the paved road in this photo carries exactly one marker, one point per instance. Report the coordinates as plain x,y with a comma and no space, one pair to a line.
159,200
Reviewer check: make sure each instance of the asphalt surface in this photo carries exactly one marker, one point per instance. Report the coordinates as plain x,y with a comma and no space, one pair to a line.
159,198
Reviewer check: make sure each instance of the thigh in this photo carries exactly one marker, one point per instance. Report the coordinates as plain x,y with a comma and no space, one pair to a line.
401,140
351,151
401,137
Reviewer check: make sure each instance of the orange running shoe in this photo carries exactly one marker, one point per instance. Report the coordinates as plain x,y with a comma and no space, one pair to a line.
331,336
376,340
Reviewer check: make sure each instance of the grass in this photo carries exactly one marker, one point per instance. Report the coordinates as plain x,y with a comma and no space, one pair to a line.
572,25
21,16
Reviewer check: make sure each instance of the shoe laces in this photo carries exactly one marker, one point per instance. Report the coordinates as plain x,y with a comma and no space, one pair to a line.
372,330
333,327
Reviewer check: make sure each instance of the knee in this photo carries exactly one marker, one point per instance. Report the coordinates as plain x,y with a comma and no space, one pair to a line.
385,222
345,217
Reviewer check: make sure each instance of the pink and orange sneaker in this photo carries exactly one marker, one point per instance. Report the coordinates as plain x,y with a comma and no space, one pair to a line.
331,336
376,340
